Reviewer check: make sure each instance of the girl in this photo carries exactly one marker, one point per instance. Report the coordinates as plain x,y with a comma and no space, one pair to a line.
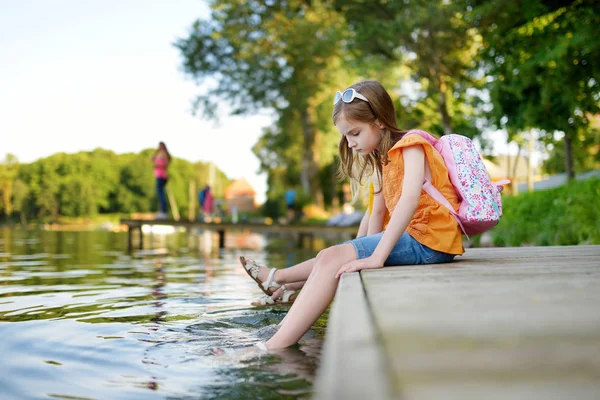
419,231
161,159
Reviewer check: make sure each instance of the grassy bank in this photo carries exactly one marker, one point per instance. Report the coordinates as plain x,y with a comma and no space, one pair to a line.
567,215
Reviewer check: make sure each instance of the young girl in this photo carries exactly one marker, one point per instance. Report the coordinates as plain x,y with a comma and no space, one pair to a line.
419,231
161,159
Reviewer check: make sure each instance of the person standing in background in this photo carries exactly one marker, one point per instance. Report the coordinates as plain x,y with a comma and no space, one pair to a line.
207,203
161,159
290,202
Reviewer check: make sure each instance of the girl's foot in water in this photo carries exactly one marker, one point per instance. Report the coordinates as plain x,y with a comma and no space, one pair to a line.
240,353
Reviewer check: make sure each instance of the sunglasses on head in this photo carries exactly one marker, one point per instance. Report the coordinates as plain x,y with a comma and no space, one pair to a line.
348,96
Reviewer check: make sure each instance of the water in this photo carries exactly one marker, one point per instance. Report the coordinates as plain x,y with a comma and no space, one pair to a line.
80,318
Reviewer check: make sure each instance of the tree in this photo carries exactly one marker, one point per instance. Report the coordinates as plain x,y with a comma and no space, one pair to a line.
434,41
100,181
275,55
20,193
8,170
586,156
543,59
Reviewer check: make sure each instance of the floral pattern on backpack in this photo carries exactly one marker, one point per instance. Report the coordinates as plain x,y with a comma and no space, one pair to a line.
480,201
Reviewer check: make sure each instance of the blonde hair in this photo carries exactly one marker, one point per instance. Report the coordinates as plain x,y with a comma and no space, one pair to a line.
380,110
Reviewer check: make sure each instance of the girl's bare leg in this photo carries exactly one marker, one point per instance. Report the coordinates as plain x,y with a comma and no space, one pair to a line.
297,273
315,297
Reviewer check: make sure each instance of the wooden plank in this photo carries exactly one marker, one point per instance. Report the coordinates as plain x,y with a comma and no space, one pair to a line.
501,323
352,364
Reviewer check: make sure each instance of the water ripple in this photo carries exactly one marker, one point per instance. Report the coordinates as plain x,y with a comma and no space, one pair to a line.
81,318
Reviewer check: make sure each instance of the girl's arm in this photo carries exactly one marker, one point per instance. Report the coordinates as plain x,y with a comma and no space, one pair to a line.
372,222
414,174
378,212
364,223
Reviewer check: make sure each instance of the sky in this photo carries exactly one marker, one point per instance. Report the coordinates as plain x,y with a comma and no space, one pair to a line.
76,75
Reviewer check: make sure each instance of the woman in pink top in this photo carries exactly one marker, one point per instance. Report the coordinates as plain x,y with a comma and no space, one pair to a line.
161,159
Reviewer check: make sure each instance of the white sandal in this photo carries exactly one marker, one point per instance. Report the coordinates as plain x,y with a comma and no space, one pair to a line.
263,301
252,269
287,295
285,299
270,282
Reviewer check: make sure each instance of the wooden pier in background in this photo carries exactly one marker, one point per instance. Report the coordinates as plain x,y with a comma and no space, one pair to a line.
304,232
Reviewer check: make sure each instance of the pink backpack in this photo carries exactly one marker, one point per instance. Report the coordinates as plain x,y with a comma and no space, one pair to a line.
480,203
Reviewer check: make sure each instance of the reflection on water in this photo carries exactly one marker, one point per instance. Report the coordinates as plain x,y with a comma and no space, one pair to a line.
81,318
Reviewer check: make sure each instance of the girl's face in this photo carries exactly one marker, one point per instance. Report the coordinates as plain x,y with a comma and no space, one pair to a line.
362,137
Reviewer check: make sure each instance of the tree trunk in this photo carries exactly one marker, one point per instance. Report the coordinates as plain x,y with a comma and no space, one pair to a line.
443,107
514,181
309,177
530,161
439,82
516,165
7,195
508,169
569,158
335,200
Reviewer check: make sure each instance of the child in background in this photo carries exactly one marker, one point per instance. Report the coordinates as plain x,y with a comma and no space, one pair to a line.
290,202
207,203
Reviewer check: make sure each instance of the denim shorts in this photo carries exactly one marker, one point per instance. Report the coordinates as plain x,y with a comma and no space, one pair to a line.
407,251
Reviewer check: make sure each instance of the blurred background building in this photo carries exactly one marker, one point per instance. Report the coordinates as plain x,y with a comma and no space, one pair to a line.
240,195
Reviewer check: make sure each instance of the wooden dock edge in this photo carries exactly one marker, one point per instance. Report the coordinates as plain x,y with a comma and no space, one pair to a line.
353,364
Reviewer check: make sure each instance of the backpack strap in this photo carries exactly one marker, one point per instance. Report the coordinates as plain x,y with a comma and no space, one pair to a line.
500,184
428,186
437,196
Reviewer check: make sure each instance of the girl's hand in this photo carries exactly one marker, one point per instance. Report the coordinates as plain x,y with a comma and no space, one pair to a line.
357,265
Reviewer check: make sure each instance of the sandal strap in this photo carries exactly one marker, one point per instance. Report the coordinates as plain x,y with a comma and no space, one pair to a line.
270,283
266,300
287,293
252,267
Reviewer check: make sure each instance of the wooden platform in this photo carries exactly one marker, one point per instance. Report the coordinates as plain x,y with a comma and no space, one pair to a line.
498,323
304,232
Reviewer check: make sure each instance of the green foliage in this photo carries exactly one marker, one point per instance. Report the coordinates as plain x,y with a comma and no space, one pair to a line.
460,66
566,215
8,171
288,57
543,62
100,181
273,208
270,55
434,42
586,155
